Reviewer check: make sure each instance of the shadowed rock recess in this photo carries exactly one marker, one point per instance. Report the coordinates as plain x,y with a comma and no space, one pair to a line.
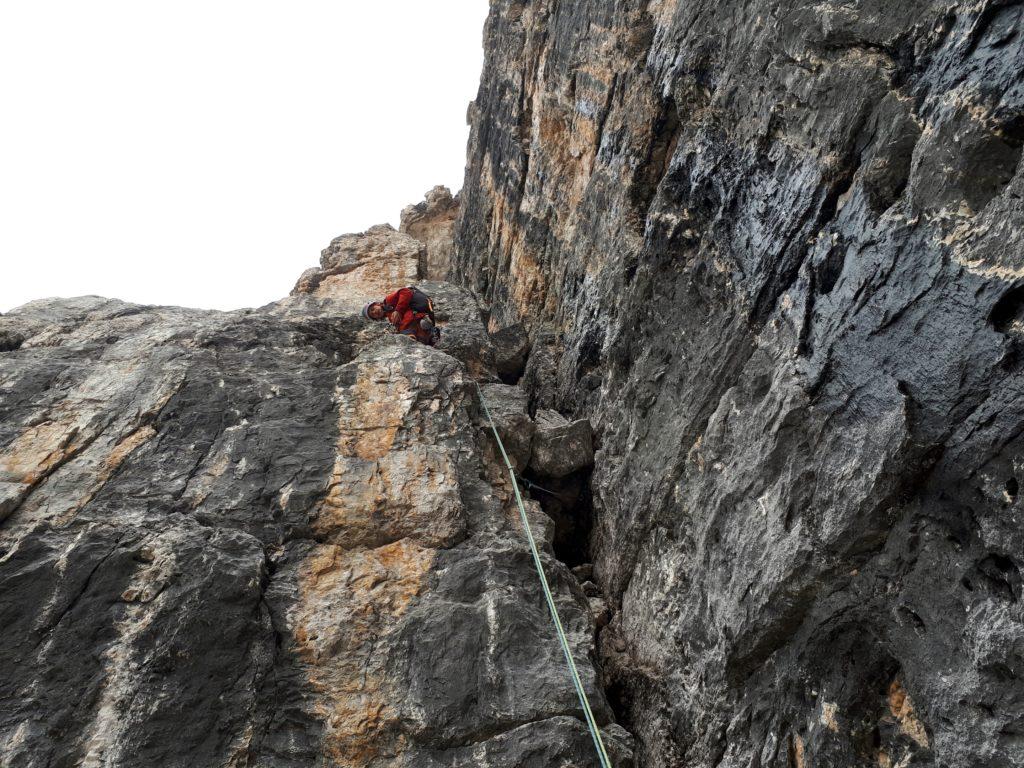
744,286
773,252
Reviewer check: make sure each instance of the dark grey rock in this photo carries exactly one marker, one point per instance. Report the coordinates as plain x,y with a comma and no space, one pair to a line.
558,742
537,380
11,340
274,537
511,350
583,572
774,253
463,334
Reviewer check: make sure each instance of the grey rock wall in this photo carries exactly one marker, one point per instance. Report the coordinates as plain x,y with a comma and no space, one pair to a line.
765,259
773,251
275,537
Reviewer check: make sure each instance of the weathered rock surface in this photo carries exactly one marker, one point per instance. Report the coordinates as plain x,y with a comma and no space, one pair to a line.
774,252
508,408
560,447
274,537
432,222
356,268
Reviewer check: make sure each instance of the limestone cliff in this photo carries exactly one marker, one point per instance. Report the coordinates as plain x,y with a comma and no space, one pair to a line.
743,285
773,251
273,537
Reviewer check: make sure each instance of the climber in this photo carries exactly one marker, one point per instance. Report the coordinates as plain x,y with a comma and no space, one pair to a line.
410,311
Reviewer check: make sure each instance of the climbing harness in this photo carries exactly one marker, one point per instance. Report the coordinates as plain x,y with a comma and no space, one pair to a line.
584,702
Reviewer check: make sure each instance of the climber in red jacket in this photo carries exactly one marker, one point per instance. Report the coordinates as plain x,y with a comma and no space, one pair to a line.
410,311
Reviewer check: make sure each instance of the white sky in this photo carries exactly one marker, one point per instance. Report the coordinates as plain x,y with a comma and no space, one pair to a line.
202,153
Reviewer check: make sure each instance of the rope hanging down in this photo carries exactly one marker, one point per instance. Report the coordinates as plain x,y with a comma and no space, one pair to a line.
591,723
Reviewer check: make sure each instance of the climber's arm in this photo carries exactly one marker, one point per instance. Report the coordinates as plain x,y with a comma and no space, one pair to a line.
396,305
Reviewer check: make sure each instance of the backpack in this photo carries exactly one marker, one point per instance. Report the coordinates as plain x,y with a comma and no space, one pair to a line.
421,303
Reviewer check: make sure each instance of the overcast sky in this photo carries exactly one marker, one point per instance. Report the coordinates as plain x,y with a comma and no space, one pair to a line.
202,153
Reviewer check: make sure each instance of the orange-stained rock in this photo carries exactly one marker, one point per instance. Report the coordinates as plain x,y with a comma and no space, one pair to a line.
431,222
349,602
395,473
363,267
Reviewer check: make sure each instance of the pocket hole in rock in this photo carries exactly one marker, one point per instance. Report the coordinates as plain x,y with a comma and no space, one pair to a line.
1008,309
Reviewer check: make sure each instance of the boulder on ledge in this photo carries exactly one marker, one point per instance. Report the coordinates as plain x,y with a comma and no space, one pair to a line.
560,446
511,349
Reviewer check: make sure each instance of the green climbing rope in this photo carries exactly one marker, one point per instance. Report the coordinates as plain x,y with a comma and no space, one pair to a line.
584,702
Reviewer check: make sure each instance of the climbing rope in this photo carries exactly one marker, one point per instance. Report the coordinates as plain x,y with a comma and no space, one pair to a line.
584,702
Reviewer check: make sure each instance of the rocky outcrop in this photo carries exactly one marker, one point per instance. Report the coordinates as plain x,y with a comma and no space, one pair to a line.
432,223
507,406
773,253
356,268
512,349
274,537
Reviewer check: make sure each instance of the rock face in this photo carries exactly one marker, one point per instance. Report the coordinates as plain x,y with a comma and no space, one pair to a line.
773,253
432,223
743,283
274,537
507,406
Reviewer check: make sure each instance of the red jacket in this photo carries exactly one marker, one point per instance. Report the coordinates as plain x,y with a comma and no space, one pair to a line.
396,307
